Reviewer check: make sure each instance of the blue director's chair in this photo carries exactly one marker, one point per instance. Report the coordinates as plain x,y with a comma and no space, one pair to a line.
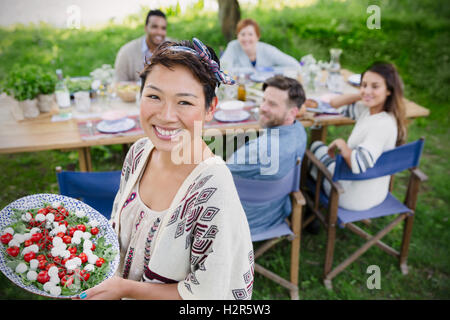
405,157
97,189
265,191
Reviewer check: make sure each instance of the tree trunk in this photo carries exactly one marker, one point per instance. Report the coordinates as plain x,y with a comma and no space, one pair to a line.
229,16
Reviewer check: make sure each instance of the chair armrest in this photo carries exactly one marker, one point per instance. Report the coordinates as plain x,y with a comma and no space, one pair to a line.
419,174
327,174
298,198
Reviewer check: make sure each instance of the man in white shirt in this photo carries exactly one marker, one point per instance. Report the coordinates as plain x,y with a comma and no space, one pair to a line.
131,57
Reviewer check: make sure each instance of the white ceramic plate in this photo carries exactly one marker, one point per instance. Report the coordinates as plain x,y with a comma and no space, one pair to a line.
355,79
37,200
261,76
222,116
116,126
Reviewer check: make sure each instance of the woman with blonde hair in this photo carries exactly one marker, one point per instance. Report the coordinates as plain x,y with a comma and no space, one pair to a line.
379,112
247,52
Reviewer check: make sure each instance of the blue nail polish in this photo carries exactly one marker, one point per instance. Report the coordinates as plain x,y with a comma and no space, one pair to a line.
83,295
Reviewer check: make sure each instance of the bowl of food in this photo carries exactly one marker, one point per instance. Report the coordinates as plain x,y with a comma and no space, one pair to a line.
232,108
311,103
127,91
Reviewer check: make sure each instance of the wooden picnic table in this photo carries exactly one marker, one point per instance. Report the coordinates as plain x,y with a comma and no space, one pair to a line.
41,133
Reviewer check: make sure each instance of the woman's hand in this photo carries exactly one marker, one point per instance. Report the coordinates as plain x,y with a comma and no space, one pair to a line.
336,144
343,148
110,289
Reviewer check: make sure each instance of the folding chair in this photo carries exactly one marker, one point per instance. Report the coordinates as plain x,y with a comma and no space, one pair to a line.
265,191
97,189
390,162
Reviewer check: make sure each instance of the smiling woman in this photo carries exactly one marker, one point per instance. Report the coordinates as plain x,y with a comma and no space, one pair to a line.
180,225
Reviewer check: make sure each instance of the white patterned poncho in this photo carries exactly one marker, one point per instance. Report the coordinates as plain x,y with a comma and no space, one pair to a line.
202,243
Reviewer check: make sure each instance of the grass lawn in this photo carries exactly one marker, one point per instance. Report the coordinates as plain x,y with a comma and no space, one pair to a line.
414,35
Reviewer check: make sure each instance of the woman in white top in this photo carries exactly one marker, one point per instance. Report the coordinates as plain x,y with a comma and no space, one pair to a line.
380,125
182,231
247,52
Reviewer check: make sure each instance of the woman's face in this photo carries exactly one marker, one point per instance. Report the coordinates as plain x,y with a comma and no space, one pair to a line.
374,91
247,38
173,103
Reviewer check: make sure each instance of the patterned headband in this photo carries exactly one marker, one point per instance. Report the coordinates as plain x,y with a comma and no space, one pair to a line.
203,53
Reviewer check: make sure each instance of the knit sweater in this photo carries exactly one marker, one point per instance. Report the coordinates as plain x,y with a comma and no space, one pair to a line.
203,242
371,136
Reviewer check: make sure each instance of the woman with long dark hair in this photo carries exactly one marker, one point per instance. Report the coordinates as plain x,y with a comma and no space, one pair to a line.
379,112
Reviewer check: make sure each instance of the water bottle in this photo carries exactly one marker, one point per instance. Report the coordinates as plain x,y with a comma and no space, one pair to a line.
61,91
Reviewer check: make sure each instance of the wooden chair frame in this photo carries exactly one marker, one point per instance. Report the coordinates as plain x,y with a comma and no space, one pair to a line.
295,222
329,219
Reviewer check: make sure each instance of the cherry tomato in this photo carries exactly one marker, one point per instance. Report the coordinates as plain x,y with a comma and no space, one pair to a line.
43,277
64,222
6,238
36,237
28,243
43,211
99,262
41,257
64,212
81,227
83,257
61,272
59,217
60,234
73,250
42,264
57,260
93,247
67,239
72,231
13,251
85,275
94,231
67,280
29,256
48,266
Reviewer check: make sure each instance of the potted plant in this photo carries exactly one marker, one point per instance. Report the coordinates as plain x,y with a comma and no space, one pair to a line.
22,83
47,82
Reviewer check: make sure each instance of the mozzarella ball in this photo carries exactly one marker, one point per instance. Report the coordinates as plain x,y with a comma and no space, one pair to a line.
55,291
8,230
21,268
34,264
89,267
50,217
40,217
27,216
32,275
48,285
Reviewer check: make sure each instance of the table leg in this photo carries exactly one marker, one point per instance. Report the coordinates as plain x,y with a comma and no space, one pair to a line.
318,133
84,159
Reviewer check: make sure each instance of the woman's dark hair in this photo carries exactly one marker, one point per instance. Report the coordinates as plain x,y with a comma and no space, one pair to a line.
296,94
158,13
394,102
170,58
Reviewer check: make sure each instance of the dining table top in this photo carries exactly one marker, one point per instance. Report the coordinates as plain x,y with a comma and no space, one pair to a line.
43,133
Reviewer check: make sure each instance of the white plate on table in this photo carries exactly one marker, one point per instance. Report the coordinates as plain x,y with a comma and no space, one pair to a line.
220,115
261,76
354,79
121,125
37,200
